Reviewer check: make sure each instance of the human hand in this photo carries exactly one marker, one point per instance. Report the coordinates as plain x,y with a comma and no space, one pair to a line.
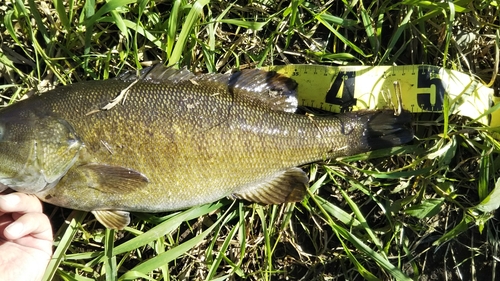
25,238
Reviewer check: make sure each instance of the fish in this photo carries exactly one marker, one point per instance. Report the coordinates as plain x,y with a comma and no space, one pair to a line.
165,139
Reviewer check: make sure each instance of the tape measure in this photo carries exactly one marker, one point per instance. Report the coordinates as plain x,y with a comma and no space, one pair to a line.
423,88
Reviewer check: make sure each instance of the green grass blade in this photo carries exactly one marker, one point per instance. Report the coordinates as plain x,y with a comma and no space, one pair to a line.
188,25
380,259
175,15
63,243
168,256
403,26
93,18
165,227
110,259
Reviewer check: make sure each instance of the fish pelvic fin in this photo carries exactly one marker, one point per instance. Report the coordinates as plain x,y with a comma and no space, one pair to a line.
266,87
288,186
112,219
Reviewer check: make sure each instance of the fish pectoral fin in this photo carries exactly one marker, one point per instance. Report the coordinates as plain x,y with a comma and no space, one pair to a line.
112,179
112,219
288,186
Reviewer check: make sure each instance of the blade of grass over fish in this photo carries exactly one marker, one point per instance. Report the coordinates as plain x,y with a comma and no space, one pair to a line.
62,244
168,256
188,25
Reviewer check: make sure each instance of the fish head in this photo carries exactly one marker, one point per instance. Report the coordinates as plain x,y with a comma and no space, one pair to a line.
35,150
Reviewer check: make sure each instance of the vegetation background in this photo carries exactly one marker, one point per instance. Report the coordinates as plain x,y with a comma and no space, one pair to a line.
424,211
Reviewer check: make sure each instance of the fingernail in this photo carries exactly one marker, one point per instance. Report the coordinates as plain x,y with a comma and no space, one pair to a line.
11,199
15,229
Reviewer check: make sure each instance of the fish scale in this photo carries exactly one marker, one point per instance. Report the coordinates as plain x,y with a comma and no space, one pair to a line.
177,140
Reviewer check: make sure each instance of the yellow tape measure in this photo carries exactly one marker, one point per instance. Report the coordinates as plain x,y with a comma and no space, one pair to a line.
424,88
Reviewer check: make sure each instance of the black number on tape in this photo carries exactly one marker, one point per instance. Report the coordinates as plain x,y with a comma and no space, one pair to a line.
342,91
428,76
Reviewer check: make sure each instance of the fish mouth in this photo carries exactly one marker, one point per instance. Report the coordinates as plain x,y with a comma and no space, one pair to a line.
3,187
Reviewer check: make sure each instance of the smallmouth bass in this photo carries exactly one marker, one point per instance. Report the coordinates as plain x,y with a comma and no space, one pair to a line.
168,139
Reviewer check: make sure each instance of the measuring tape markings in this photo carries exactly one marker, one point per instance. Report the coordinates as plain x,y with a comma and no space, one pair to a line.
423,87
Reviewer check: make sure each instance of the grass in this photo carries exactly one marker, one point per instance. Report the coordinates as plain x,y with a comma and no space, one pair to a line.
423,211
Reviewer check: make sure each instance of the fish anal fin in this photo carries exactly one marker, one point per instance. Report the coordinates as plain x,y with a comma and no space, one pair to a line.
112,219
288,186
112,179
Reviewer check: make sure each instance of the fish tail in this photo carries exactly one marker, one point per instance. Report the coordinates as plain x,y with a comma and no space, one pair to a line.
386,129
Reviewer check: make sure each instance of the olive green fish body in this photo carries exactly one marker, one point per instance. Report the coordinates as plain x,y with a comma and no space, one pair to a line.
169,144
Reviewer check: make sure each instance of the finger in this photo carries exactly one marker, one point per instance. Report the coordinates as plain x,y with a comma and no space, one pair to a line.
20,202
36,225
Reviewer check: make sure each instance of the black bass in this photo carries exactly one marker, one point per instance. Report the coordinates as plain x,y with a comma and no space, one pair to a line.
168,139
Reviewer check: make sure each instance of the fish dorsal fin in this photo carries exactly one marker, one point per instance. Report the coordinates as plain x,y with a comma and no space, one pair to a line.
112,219
267,87
273,89
288,186
112,179
158,73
